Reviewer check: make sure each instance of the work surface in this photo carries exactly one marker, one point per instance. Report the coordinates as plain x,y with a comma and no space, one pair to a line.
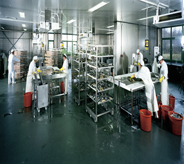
122,81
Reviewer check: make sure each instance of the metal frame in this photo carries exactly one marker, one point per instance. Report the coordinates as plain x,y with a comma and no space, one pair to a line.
77,95
94,113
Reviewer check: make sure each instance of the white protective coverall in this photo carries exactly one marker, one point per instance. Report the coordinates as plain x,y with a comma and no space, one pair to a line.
164,84
5,62
29,81
65,66
145,75
11,72
138,58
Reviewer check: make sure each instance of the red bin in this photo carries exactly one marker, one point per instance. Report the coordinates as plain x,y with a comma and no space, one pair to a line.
176,123
145,120
172,101
27,99
62,87
165,110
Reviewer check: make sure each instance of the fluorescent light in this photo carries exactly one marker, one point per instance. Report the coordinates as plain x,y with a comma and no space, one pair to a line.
25,29
71,21
22,15
147,17
23,25
147,8
97,6
110,26
163,4
109,32
152,3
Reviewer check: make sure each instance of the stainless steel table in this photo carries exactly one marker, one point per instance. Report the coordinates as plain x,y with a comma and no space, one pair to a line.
49,80
121,82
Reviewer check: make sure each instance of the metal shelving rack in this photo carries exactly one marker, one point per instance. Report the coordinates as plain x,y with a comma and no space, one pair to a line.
78,73
101,102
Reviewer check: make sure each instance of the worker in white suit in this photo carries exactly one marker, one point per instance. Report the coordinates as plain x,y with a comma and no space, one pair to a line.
11,72
65,70
145,75
4,62
137,58
32,70
163,80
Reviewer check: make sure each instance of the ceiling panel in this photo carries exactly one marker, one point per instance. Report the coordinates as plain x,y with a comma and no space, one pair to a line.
122,10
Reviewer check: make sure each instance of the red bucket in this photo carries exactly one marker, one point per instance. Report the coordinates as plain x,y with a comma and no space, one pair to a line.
172,101
165,110
62,87
145,120
159,109
176,123
27,99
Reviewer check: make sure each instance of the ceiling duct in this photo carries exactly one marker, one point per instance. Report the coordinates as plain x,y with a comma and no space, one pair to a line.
169,19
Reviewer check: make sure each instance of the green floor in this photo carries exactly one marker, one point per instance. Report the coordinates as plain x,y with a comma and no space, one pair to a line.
65,134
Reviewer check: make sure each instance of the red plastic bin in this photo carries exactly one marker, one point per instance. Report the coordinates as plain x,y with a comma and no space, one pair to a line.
27,99
145,120
159,109
172,101
165,110
176,124
62,87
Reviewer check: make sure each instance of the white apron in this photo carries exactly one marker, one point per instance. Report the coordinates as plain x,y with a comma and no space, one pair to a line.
164,92
66,81
151,97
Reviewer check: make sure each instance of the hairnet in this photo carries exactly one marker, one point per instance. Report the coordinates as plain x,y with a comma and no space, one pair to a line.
35,58
13,50
65,55
160,58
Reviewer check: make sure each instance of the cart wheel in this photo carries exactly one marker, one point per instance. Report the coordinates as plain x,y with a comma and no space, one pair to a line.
45,108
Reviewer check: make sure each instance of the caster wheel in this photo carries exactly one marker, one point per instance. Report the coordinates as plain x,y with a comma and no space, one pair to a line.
45,108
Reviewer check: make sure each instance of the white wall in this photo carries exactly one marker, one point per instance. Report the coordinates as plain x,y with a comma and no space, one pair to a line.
133,37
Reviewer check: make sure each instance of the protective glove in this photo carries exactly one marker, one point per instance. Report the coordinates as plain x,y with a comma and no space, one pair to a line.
135,63
61,69
138,63
132,77
33,73
161,79
38,70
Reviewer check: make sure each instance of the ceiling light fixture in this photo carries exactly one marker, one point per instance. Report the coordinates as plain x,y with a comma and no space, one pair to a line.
146,18
22,15
109,32
110,26
25,29
71,21
151,3
23,25
163,4
101,4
